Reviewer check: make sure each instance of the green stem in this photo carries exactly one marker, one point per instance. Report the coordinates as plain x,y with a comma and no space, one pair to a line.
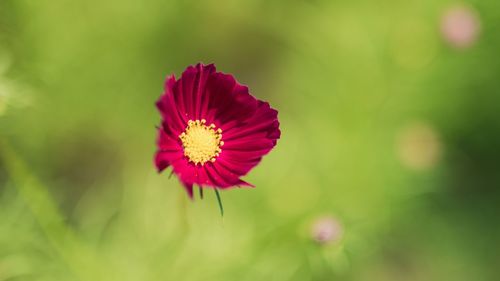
221,208
201,192
46,212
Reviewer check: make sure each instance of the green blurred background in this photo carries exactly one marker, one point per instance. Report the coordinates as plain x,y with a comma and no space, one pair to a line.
390,118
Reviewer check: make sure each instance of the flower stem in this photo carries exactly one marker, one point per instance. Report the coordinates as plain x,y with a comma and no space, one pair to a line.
221,208
201,192
62,238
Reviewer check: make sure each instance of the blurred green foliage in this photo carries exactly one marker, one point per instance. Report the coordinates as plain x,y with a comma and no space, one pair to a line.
386,127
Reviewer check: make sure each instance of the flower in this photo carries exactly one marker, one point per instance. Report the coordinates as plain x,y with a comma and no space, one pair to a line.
419,146
460,26
326,230
213,131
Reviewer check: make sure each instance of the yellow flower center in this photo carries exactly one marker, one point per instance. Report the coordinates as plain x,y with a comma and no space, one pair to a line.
201,143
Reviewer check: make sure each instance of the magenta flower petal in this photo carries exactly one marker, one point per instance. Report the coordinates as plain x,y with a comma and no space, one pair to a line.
213,131
220,179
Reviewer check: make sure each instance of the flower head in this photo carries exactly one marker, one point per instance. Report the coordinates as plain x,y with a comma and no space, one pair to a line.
326,229
419,146
460,26
213,131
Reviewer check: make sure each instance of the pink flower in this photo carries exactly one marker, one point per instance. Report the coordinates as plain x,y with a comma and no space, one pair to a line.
213,131
419,146
326,229
460,26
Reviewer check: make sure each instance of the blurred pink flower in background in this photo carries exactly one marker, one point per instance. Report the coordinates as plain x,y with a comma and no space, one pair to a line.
419,146
326,230
460,26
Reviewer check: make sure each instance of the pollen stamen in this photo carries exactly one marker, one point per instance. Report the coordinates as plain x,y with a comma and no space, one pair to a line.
201,143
